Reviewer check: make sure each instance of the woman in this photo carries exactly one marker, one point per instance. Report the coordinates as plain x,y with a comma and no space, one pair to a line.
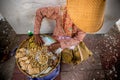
65,32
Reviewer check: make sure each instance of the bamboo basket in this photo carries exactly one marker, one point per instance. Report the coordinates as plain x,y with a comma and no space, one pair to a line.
38,75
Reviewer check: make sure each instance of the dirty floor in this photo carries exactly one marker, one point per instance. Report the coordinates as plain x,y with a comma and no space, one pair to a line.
103,65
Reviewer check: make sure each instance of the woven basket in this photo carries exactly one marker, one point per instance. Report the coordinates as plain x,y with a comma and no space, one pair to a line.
88,15
23,45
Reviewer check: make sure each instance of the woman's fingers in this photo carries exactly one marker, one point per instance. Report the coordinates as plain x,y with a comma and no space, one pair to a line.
41,41
38,40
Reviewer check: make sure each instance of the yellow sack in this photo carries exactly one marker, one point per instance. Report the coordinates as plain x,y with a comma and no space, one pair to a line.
79,54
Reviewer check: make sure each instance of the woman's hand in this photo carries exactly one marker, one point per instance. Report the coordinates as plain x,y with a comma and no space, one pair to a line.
54,46
38,39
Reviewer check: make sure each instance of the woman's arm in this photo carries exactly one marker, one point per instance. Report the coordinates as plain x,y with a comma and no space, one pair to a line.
48,12
73,41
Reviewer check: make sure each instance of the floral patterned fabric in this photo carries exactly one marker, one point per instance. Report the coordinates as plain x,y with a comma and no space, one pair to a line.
65,31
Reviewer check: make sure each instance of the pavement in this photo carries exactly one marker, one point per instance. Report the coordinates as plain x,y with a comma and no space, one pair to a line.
103,65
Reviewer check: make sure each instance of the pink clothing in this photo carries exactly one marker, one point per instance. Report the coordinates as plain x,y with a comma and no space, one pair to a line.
65,31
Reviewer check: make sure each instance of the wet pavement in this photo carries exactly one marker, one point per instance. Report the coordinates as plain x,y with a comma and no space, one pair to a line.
103,65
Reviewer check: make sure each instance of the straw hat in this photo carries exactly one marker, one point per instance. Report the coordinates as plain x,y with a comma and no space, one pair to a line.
88,15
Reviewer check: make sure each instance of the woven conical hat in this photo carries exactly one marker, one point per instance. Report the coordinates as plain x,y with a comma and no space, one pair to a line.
88,15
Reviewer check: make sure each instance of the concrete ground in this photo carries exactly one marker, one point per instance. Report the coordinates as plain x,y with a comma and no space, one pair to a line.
103,65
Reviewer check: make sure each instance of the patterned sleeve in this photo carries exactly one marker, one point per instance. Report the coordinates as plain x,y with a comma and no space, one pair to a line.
78,37
48,12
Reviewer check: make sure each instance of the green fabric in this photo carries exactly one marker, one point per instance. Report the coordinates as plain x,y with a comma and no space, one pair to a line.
74,56
85,51
67,56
